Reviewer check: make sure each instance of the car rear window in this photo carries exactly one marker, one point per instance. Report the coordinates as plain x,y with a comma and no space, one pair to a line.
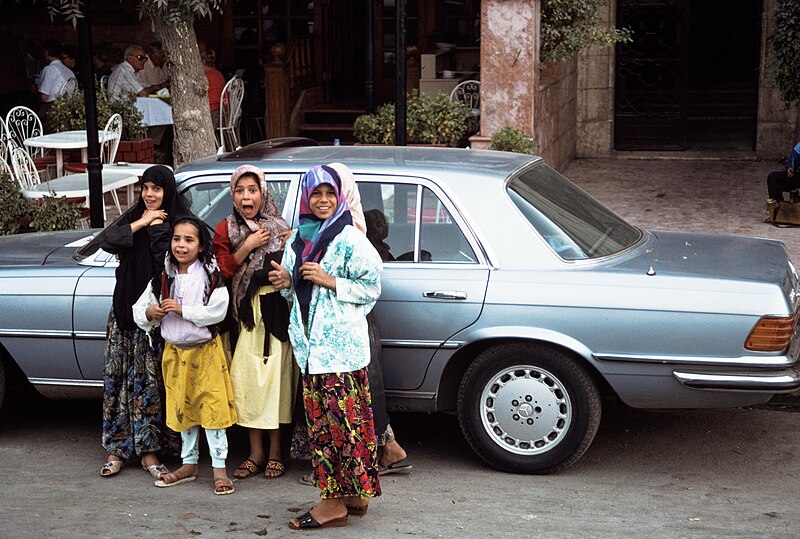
573,223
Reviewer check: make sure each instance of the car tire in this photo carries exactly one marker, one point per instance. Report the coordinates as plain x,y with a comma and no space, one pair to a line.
528,408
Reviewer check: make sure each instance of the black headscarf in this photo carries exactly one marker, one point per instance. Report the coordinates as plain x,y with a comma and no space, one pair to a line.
141,254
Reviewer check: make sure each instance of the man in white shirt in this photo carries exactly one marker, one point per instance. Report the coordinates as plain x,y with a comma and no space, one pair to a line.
123,78
155,69
52,80
55,74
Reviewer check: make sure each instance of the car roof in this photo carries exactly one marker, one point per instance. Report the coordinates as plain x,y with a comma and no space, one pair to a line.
367,159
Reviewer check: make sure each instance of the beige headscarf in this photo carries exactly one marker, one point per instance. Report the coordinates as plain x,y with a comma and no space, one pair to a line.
268,218
350,191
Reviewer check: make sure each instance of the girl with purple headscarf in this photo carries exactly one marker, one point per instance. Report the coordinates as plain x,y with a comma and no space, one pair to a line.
330,273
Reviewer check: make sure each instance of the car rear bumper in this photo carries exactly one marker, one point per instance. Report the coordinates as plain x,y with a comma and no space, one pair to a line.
784,381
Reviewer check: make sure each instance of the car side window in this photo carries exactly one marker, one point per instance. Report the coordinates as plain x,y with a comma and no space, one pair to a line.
391,211
211,201
441,239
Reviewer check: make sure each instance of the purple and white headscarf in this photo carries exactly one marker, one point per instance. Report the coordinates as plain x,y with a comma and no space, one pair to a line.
314,234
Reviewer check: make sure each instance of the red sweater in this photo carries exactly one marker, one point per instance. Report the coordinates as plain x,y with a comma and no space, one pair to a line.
223,250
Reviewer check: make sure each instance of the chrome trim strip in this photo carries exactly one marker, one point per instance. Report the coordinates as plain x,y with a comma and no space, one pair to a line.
38,333
781,382
65,382
397,343
743,361
91,335
52,334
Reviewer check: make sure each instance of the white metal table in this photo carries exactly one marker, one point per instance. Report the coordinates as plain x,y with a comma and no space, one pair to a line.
65,140
77,185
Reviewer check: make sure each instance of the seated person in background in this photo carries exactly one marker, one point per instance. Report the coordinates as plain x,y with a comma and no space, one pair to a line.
101,60
377,230
155,69
783,181
216,82
123,78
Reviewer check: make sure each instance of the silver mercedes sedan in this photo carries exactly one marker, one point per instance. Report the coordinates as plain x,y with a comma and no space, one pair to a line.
509,296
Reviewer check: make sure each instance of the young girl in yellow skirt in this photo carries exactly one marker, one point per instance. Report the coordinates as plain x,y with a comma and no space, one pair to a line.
188,300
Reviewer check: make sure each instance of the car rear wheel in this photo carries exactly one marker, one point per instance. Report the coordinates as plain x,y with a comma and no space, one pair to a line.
528,408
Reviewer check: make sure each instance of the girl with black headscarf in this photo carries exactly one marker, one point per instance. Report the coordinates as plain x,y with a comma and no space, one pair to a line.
133,388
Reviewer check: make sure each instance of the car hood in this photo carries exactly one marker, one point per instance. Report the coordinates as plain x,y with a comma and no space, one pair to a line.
39,249
712,255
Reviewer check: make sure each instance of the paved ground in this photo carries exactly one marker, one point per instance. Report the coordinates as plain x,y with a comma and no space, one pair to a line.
696,195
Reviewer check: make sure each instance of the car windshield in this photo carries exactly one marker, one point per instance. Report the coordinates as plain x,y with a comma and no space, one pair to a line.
574,224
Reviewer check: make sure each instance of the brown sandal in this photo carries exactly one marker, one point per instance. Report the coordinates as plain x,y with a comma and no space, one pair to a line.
275,468
223,486
250,467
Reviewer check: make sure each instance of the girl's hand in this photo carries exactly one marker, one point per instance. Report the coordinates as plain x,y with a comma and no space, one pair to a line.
154,217
172,306
284,236
154,312
279,278
257,239
311,271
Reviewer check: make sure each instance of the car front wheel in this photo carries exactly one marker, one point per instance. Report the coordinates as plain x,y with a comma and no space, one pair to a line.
528,408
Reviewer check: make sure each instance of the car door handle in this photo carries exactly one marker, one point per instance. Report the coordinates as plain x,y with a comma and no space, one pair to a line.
445,294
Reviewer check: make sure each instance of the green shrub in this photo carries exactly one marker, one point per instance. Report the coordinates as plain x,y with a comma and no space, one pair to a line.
68,113
511,139
20,215
429,120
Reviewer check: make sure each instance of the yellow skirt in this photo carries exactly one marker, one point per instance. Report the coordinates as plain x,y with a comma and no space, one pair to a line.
198,387
263,390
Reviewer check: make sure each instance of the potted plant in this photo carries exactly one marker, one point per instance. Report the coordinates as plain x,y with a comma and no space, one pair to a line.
431,120
20,215
511,139
69,113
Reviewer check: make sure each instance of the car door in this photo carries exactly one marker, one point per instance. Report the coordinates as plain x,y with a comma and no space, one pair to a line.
434,276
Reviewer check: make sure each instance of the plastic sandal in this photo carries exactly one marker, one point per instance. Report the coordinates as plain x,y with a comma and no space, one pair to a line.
111,468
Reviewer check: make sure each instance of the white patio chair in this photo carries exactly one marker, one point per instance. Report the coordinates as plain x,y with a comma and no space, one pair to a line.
28,178
5,168
5,142
468,94
22,123
24,169
108,151
230,113
69,86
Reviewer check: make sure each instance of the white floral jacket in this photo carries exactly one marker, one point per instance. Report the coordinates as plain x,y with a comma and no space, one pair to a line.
337,338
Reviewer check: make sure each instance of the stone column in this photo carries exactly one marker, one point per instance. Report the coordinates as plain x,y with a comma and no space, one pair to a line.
595,115
509,66
775,124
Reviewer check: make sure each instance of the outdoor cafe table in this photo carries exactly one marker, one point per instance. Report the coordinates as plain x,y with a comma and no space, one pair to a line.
155,111
77,185
65,140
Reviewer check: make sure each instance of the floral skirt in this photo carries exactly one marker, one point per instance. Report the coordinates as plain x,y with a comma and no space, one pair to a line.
133,395
341,434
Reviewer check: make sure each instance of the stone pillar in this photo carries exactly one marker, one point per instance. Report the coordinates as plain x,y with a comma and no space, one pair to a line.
509,66
595,114
775,124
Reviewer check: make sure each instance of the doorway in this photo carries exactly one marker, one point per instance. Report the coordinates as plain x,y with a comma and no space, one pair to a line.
689,79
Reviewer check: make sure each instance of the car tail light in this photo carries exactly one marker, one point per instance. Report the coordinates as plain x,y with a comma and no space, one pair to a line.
771,333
